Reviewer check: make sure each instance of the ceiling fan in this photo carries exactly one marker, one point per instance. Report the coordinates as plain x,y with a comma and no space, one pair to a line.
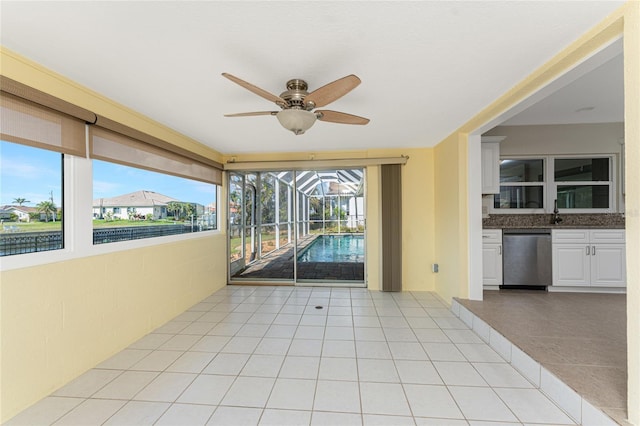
297,105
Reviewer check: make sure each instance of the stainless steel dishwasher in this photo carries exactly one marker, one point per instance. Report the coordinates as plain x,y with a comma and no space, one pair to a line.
526,258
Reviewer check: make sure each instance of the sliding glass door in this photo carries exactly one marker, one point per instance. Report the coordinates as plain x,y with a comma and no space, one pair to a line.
304,227
235,230
330,243
260,233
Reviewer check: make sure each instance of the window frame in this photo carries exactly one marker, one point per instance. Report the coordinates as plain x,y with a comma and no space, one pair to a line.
77,196
543,184
611,183
59,208
125,212
550,186
78,223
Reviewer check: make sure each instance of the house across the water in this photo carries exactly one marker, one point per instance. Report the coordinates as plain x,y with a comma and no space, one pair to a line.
135,204
22,213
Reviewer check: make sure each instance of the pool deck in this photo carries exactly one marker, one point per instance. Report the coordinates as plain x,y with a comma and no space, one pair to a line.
279,265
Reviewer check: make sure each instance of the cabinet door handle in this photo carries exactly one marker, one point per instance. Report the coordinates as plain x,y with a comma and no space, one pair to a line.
593,250
588,250
500,250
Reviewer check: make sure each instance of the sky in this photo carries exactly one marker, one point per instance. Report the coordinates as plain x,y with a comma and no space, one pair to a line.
35,174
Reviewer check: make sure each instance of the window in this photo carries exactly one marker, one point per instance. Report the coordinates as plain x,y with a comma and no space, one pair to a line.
148,189
583,183
31,203
285,208
43,147
131,203
267,197
579,184
522,184
33,142
236,216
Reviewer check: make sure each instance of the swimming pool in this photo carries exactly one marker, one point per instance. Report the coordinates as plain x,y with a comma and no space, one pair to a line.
335,248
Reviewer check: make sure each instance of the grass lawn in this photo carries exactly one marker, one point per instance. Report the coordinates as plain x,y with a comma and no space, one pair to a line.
99,223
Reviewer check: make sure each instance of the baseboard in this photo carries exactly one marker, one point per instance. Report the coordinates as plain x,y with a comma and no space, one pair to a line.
601,290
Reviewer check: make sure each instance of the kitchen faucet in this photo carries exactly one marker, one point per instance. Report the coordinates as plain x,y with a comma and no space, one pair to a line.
556,216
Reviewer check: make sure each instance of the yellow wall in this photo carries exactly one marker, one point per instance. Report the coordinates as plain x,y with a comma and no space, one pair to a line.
61,319
450,217
418,221
632,171
451,157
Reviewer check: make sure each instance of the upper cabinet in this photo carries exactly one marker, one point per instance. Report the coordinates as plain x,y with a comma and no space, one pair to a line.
491,164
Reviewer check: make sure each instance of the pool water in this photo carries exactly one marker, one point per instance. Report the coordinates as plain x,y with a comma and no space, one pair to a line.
335,248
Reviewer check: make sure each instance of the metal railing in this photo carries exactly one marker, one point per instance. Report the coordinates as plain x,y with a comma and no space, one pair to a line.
30,242
111,235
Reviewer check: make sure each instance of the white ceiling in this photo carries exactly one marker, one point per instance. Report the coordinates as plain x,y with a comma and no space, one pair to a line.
595,97
426,66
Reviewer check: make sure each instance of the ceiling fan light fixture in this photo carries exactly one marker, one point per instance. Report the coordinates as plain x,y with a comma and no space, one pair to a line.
296,120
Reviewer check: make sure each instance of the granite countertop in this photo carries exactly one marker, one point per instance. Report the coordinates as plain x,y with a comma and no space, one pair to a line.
569,221
552,226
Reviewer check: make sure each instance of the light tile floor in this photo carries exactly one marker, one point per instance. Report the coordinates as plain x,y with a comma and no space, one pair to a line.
267,356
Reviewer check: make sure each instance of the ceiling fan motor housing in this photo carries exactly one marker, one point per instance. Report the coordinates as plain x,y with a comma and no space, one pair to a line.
295,94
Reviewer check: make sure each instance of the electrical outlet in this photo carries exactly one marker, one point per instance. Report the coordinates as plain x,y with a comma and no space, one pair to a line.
434,267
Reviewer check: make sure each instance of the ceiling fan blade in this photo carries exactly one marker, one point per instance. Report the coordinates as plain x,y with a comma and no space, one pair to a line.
332,91
255,89
249,114
340,117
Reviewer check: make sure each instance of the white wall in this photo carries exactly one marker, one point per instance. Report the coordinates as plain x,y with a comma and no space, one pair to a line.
604,138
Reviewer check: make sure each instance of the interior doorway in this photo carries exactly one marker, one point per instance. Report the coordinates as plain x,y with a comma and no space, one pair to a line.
304,227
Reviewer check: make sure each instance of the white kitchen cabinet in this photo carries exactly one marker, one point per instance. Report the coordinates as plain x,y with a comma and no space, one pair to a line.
571,265
589,258
492,257
608,265
490,154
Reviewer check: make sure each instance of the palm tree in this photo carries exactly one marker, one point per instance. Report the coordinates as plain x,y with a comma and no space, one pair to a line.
189,209
47,208
177,208
21,201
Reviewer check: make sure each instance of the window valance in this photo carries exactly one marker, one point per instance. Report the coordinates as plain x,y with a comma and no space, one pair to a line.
25,122
35,118
115,147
